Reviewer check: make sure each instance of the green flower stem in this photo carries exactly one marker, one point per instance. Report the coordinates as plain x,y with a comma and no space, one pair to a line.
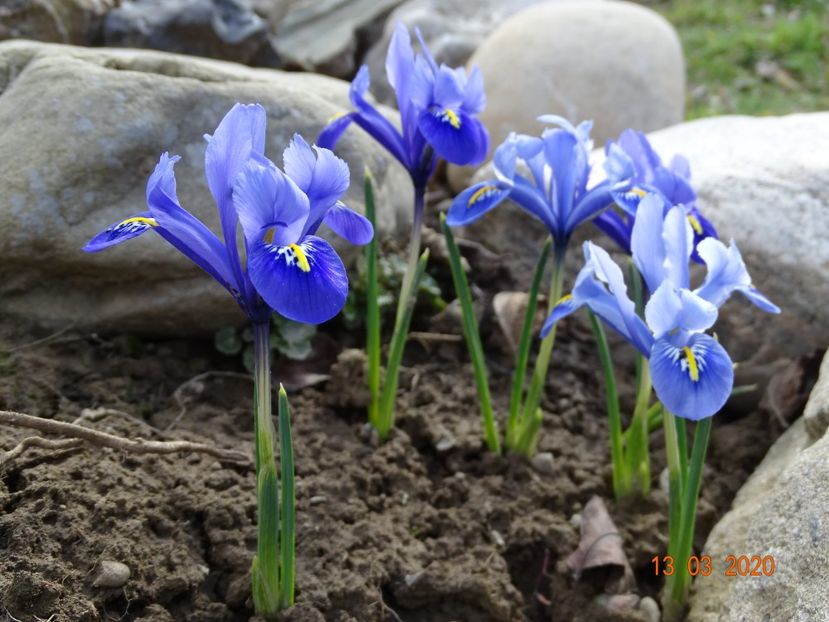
407,291
265,569
678,584
372,308
621,476
529,418
637,449
676,478
523,355
398,343
473,340
287,482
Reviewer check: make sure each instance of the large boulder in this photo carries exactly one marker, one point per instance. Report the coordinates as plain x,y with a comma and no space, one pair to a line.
780,512
326,36
453,30
617,63
82,130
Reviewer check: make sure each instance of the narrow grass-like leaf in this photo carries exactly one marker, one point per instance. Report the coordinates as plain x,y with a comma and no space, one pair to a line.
473,340
617,458
287,533
523,354
372,308
398,343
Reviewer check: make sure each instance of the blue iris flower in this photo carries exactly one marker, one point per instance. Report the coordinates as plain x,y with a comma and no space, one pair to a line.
632,158
692,373
289,268
554,189
438,107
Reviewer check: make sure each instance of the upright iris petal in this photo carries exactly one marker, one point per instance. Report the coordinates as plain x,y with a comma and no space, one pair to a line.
555,191
438,111
692,373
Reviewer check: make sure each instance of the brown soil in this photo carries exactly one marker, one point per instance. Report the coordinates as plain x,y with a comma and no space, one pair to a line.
427,527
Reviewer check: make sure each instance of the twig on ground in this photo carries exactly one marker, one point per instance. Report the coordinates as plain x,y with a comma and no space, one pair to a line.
104,439
42,341
43,443
424,337
96,414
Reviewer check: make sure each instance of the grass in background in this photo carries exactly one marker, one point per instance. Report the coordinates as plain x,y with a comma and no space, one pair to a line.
752,56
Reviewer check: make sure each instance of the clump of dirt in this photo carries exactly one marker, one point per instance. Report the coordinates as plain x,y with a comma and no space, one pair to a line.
426,527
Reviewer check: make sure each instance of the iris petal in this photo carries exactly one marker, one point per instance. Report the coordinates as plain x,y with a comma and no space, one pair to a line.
646,241
476,201
693,380
119,232
593,202
265,198
304,282
348,224
727,273
454,135
374,123
678,237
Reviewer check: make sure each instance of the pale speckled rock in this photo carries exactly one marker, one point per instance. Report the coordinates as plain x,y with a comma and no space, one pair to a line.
83,129
780,511
816,413
452,29
617,63
325,35
62,21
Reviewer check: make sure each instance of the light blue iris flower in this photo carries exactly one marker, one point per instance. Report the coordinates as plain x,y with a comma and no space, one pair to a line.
633,159
547,176
692,373
289,268
438,111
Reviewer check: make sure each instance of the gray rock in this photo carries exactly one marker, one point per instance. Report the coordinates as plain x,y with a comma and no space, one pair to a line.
83,129
765,183
617,63
224,29
452,29
325,35
650,609
61,21
816,413
779,512
111,575
544,463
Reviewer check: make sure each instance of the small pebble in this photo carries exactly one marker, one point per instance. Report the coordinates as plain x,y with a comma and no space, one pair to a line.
497,538
317,499
543,463
650,608
575,520
111,575
445,444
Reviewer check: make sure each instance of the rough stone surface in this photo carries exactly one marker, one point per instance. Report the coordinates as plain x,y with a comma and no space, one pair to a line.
77,161
326,35
224,29
816,413
453,29
617,63
781,512
62,21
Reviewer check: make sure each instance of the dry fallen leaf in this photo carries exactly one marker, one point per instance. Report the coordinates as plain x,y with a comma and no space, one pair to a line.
600,550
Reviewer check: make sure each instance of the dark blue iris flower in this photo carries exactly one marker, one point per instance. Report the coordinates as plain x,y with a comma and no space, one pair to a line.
289,268
692,373
632,158
554,189
438,107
